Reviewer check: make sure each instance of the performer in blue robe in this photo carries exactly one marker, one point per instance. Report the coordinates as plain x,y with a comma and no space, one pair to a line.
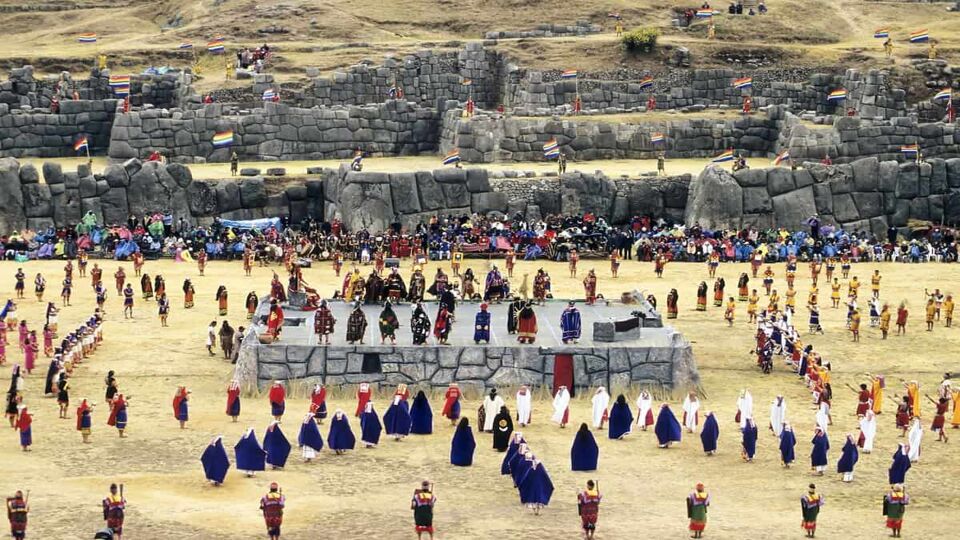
215,461
570,323
276,445
481,326
621,419
520,464
515,443
849,456
710,434
340,438
249,455
396,421
370,427
667,427
309,439
897,473
749,440
818,455
493,286
584,453
787,443
463,444
536,487
421,416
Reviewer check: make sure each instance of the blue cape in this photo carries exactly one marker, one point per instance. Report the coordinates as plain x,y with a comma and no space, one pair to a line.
787,443
818,456
370,427
535,486
215,462
310,435
621,419
750,440
710,433
667,428
462,446
340,437
276,445
518,468
250,456
848,457
511,453
421,416
584,453
397,421
898,469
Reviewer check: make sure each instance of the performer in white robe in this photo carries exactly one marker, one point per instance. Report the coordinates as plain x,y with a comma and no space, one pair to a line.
823,416
744,408
524,405
644,410
561,406
600,400
868,431
691,408
491,408
914,438
778,415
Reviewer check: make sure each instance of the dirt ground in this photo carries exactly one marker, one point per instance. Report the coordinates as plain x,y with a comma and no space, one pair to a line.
366,493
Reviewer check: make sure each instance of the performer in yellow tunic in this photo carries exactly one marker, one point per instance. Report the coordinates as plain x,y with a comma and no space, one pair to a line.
885,320
877,385
351,285
752,305
813,297
913,393
853,287
835,293
955,395
875,283
791,301
948,311
773,305
731,311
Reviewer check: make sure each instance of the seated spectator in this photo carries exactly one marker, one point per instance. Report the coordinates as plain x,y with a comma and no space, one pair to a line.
762,8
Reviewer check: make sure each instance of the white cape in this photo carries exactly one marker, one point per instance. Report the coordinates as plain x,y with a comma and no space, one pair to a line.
868,426
778,415
524,408
491,408
690,409
823,417
600,402
745,406
915,437
560,403
644,404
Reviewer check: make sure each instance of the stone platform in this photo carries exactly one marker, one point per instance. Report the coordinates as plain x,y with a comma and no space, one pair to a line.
656,356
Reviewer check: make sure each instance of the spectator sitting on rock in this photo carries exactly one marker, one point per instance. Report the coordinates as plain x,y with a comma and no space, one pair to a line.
762,8
751,12
826,160
740,163
732,10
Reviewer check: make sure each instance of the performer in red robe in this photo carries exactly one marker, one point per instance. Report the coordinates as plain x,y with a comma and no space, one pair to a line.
233,400
451,407
275,320
527,324
363,396
318,402
278,395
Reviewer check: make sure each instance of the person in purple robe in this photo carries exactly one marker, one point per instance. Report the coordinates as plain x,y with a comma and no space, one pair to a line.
535,486
710,434
250,456
897,473
463,444
276,445
621,419
515,441
849,456
493,287
570,324
340,438
584,454
818,456
667,428
215,461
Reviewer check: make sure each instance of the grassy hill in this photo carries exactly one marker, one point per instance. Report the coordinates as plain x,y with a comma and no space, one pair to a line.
138,33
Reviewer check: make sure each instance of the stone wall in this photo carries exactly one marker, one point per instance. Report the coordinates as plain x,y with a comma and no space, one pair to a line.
425,78
486,138
866,195
25,131
277,131
670,367
580,28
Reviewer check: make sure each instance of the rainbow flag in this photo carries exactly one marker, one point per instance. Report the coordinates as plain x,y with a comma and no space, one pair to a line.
452,157
919,36
724,157
909,149
881,33
218,39
119,80
783,156
222,138
837,95
657,138
704,13
185,45
946,93
81,144
744,82
215,47
88,37
269,94
646,82
122,90
551,149
569,74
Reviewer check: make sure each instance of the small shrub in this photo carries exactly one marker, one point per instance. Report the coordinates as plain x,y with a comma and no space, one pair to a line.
642,40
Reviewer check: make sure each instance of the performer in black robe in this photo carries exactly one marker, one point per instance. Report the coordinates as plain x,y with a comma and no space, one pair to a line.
356,325
513,312
502,430
420,325
373,289
418,285
449,301
394,289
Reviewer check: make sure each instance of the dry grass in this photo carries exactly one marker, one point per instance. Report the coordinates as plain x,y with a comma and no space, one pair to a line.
366,493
